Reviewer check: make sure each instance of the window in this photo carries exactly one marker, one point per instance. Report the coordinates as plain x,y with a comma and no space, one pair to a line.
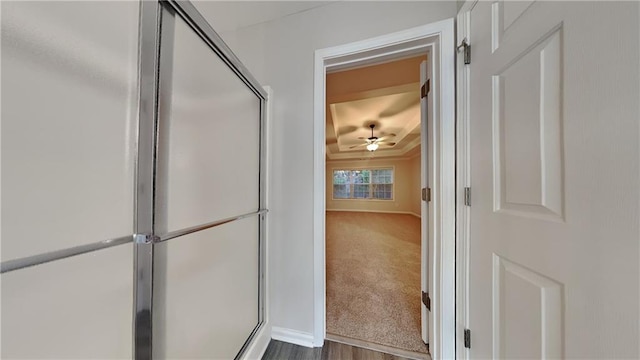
363,184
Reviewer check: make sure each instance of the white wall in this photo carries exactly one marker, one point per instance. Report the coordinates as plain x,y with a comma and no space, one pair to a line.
280,53
403,184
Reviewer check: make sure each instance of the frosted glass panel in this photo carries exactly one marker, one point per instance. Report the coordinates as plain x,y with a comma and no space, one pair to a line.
214,137
211,291
80,307
68,123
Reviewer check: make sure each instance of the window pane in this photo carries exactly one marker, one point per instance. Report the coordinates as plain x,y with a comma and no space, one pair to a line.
341,176
341,191
383,191
361,191
363,184
382,176
361,176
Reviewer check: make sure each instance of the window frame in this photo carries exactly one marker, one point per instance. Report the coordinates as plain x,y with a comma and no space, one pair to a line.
371,191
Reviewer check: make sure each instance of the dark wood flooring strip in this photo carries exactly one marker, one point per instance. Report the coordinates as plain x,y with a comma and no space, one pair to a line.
278,350
399,353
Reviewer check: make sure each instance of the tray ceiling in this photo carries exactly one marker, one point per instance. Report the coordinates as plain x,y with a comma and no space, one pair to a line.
360,97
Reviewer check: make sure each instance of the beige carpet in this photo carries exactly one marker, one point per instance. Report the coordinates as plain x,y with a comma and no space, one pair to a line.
373,278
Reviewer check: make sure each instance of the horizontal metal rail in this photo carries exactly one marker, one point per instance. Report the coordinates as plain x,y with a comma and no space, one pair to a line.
28,261
193,229
11,265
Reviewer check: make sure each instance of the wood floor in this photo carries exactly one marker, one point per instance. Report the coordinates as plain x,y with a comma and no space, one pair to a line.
331,350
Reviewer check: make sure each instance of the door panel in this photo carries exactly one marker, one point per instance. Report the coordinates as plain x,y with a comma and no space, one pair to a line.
214,137
206,284
527,120
527,313
86,89
554,173
69,74
78,307
211,291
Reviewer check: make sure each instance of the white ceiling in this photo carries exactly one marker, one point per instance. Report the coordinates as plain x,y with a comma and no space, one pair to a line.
233,15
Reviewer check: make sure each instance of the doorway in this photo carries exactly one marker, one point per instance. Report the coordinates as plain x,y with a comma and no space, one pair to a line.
437,40
373,219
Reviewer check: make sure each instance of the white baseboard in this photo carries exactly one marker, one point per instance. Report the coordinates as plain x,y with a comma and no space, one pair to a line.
376,211
259,344
292,336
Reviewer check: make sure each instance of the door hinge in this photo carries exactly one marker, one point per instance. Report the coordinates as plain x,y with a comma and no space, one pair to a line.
465,48
426,300
467,196
426,194
424,90
467,338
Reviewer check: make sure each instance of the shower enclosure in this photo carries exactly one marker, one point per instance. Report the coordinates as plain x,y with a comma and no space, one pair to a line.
133,184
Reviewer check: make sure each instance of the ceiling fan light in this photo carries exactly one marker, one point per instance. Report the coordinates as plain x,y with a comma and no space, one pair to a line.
372,146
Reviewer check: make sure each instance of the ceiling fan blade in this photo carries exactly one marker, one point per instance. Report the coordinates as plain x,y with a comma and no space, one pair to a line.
369,140
355,146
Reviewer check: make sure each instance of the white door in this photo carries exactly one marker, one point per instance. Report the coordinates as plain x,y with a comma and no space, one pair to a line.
426,129
554,247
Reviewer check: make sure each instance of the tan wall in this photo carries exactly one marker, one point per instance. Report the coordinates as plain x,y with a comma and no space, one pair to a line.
404,187
344,84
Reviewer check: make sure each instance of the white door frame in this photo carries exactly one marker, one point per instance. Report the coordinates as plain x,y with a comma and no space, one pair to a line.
463,180
438,38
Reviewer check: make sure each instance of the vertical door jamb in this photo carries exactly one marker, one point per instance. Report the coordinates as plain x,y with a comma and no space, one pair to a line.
463,180
425,214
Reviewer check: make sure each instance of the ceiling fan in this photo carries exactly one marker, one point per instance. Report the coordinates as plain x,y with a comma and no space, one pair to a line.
373,142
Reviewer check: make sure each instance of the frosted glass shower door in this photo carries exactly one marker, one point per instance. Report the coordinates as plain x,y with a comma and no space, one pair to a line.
69,83
207,295
212,291
132,184
214,137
